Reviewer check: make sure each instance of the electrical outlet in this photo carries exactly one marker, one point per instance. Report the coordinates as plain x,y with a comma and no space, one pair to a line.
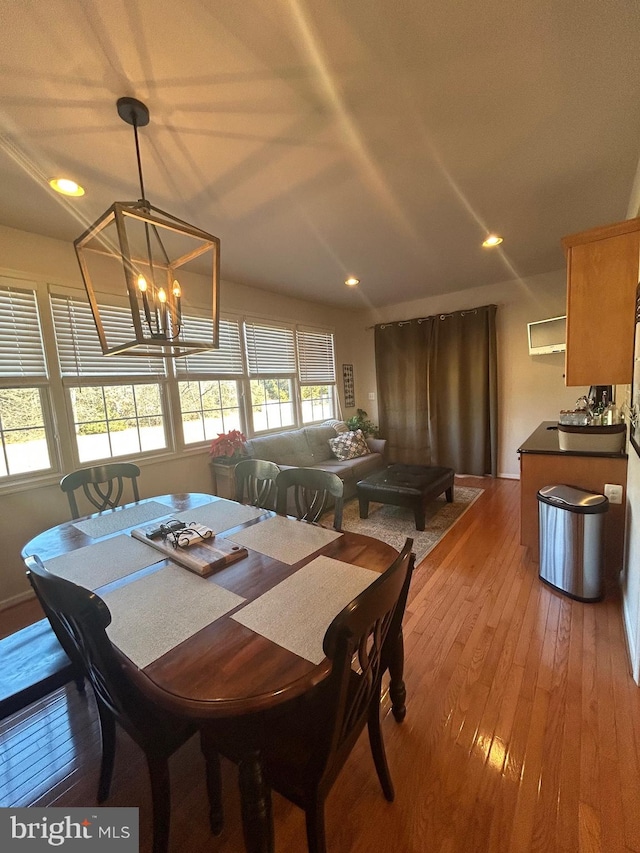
372,395
613,492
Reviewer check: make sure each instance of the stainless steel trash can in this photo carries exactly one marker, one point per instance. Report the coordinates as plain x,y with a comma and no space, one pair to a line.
571,523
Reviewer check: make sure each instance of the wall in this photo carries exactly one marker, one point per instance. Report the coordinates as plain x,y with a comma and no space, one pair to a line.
531,389
27,512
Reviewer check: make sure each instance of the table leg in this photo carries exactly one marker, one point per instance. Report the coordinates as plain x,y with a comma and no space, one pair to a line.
397,689
255,800
364,507
449,494
419,515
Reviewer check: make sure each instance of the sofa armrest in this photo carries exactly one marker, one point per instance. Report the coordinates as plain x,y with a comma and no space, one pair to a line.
377,445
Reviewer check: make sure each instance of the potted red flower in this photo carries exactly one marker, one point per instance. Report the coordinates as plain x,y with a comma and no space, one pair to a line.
228,446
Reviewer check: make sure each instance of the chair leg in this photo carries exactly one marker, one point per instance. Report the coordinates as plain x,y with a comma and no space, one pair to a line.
397,689
255,805
161,800
316,837
214,788
377,750
108,734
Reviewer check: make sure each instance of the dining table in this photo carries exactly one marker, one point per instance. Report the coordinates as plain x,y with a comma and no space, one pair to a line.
236,643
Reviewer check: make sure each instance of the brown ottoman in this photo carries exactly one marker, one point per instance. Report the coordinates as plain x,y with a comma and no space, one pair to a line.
412,486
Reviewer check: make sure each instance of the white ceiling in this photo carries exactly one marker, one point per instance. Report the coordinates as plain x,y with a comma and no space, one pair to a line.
320,138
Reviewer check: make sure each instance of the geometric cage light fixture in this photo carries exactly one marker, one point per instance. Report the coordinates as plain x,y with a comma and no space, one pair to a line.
170,271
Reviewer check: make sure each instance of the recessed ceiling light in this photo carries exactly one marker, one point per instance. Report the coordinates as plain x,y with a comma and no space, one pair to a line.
351,281
66,187
492,240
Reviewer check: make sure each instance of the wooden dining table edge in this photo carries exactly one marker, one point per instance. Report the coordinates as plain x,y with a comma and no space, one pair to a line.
211,709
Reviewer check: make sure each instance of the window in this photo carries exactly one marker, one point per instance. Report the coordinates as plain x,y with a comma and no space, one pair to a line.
117,420
209,398
317,374
272,404
271,362
24,402
116,404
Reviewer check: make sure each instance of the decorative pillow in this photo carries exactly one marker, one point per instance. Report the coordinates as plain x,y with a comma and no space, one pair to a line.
339,426
349,445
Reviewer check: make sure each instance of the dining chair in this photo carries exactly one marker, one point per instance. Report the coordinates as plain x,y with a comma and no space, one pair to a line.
256,482
305,743
102,485
85,617
312,489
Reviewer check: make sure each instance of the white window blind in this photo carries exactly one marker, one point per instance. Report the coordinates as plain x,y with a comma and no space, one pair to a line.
270,348
225,361
316,362
79,350
21,350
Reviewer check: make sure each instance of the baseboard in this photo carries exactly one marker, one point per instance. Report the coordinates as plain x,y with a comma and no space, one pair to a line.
631,643
17,599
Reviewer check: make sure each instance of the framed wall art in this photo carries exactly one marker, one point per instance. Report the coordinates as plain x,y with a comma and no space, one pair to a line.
347,380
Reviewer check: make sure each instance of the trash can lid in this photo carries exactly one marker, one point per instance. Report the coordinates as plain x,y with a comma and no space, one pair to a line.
573,499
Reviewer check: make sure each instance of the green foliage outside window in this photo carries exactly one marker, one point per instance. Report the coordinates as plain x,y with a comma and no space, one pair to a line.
119,405
21,415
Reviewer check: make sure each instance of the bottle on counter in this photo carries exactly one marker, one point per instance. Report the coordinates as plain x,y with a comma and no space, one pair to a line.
597,414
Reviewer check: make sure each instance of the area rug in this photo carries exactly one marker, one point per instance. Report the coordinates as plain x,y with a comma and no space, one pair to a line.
392,524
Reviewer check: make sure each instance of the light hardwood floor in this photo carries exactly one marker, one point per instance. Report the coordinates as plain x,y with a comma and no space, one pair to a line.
522,731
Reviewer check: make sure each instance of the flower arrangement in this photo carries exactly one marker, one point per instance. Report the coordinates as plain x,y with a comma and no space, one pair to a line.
228,445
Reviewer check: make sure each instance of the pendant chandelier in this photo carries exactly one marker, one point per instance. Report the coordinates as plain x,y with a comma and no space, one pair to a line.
171,272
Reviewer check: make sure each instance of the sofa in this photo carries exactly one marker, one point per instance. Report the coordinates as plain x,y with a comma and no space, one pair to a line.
309,448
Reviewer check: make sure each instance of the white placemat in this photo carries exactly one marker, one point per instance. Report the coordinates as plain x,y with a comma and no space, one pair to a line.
118,519
296,613
158,612
285,539
221,514
96,565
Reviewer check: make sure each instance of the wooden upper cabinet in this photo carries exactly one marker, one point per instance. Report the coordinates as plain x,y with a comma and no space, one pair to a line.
602,276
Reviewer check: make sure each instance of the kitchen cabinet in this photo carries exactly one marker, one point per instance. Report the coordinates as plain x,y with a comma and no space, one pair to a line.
542,463
602,275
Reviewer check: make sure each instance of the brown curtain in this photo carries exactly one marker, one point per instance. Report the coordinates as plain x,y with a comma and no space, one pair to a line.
437,387
402,351
462,391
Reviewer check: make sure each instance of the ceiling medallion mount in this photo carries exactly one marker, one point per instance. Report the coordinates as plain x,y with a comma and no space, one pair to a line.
133,111
165,263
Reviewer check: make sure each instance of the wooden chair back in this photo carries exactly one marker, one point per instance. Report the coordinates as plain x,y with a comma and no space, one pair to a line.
84,617
102,485
357,638
312,490
256,482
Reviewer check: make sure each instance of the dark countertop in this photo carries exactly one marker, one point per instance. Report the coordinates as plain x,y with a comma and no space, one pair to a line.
545,440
